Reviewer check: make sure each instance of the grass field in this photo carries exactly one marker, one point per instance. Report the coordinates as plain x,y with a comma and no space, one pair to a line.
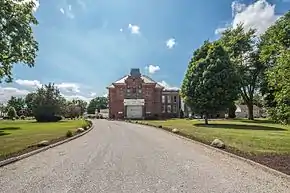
253,137
18,135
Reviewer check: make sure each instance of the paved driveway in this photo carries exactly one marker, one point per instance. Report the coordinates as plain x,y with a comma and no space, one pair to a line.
122,157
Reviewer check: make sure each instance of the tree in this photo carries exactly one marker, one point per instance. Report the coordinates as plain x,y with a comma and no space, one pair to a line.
17,43
11,112
274,46
29,103
47,103
97,104
278,78
81,104
210,83
241,46
18,104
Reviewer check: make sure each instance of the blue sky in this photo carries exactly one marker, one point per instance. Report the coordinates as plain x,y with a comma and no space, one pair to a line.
84,45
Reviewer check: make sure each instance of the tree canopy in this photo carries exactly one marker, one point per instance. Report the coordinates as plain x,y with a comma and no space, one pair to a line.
17,43
241,47
210,84
97,104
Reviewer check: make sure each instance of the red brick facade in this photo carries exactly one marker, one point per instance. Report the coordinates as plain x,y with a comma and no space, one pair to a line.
136,87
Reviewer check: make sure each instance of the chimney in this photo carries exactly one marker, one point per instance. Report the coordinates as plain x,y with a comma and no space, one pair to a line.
135,72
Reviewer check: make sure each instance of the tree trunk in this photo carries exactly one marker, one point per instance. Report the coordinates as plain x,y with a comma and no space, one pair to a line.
250,111
206,118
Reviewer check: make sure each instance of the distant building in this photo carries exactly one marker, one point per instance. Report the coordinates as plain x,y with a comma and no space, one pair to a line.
137,96
242,111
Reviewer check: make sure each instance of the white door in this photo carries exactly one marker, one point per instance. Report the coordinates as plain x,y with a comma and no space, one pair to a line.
134,111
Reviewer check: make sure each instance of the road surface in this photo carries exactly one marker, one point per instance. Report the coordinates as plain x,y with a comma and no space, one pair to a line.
122,157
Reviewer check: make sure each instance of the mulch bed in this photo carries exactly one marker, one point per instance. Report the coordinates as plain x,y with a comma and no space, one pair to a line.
277,162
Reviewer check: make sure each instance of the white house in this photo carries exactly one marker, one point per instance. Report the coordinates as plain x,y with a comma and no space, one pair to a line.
242,111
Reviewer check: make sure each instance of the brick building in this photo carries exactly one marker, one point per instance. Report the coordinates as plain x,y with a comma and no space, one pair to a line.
136,96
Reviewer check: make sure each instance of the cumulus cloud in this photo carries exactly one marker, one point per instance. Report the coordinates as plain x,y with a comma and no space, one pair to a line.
152,69
76,97
167,86
7,92
29,83
68,87
135,29
259,15
170,43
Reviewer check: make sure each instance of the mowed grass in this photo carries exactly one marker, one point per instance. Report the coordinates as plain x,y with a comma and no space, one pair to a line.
20,134
254,137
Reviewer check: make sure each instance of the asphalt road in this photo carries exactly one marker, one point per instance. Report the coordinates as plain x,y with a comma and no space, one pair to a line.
122,157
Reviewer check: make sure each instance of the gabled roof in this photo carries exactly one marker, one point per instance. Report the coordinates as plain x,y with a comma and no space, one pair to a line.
146,79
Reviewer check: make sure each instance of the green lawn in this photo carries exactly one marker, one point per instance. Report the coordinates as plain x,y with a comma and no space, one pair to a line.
257,137
20,134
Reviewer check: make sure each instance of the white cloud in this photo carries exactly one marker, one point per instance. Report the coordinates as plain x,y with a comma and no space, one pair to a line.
135,29
67,11
7,92
152,69
61,10
29,83
80,97
220,30
69,87
170,43
93,94
121,30
105,95
259,15
36,3
167,86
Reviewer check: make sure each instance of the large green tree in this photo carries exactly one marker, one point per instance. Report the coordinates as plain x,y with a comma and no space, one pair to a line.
97,104
17,43
210,84
274,49
279,78
47,103
29,103
241,46
17,103
81,104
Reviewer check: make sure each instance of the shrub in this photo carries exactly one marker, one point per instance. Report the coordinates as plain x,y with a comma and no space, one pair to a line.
11,113
22,117
69,133
48,118
160,126
101,116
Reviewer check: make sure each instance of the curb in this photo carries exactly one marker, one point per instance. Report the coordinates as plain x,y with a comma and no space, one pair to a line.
20,157
251,162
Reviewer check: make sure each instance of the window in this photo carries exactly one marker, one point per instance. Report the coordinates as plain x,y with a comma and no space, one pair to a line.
163,108
174,99
163,99
134,90
168,99
168,108
174,109
128,90
140,91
